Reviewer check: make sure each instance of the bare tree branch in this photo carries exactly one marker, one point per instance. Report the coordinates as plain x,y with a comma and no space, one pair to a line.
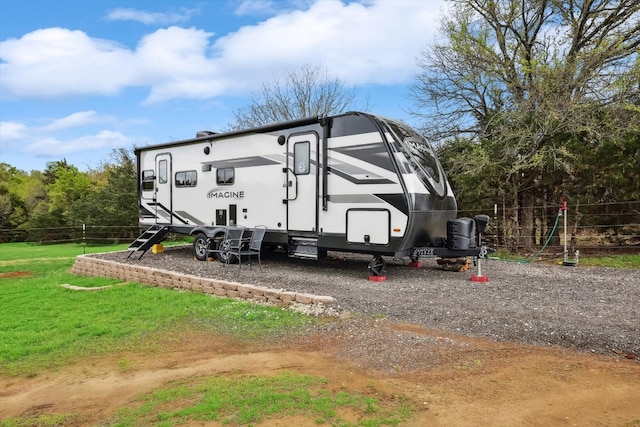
304,92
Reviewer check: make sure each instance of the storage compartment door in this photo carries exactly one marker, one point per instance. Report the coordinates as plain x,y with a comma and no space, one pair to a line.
368,226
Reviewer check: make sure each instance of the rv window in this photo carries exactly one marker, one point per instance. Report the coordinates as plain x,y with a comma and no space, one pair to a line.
301,157
162,172
147,180
420,153
421,156
186,179
225,176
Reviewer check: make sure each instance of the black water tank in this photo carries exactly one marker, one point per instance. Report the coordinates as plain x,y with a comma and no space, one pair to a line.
461,234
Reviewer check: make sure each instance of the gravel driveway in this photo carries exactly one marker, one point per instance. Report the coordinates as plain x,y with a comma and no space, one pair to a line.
583,308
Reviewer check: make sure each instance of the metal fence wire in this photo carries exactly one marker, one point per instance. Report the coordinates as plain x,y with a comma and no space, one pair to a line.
609,227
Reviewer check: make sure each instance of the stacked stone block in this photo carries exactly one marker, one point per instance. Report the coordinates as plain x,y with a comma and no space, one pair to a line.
86,265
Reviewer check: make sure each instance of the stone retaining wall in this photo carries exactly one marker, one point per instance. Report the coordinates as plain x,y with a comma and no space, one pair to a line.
88,266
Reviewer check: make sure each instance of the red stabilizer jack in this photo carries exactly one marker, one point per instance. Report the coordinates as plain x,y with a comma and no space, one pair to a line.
373,278
416,264
476,278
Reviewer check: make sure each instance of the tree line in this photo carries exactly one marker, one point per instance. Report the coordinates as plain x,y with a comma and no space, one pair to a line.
54,204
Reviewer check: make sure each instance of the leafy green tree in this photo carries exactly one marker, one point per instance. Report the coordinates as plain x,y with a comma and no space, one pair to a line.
14,211
70,185
532,84
49,198
119,195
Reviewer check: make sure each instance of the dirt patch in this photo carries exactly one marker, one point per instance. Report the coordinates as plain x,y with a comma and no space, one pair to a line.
13,274
452,380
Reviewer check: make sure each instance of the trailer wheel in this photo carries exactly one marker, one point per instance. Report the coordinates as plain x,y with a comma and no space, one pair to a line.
222,256
200,246
376,266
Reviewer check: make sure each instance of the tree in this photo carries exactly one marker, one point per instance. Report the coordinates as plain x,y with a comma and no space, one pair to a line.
70,185
13,211
533,83
119,195
50,200
111,205
305,92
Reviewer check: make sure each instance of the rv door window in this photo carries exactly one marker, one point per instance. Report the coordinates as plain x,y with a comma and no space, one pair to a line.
225,176
186,179
147,180
301,155
162,172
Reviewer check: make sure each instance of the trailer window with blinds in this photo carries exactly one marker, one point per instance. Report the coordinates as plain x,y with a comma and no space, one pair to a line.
186,178
225,176
147,180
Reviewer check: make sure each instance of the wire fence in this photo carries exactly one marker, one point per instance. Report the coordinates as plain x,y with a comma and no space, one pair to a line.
90,234
599,227
612,227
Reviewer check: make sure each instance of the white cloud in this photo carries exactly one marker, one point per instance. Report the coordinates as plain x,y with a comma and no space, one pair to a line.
77,132
363,43
11,131
373,43
50,146
57,61
256,7
151,18
78,119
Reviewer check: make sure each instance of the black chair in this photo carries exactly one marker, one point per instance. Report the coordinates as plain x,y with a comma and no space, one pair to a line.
229,244
253,249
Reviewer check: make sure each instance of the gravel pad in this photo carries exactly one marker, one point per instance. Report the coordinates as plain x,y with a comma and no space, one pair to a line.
583,308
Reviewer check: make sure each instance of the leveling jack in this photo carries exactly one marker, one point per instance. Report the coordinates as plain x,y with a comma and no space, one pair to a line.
480,277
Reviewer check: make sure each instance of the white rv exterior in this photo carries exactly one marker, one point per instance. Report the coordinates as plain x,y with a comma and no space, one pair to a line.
353,182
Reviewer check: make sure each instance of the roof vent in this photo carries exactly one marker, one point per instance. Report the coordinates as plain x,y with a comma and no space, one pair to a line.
204,133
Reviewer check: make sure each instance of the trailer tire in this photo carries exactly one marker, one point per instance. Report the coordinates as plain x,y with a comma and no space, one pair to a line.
222,256
200,246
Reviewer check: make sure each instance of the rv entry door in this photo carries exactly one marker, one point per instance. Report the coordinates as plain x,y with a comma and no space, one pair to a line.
162,194
302,187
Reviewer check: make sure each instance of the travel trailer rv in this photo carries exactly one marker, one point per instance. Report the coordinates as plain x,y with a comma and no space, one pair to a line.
352,182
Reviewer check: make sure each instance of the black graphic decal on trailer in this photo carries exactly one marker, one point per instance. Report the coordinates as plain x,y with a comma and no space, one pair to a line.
398,201
166,214
375,154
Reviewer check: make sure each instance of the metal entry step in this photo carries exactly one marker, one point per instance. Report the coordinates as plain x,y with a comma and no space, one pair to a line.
303,247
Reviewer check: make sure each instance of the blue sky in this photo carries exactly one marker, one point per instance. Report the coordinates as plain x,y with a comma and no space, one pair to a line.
81,77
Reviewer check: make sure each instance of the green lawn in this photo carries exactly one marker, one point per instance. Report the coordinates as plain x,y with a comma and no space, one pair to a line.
44,326
248,399
30,251
614,261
